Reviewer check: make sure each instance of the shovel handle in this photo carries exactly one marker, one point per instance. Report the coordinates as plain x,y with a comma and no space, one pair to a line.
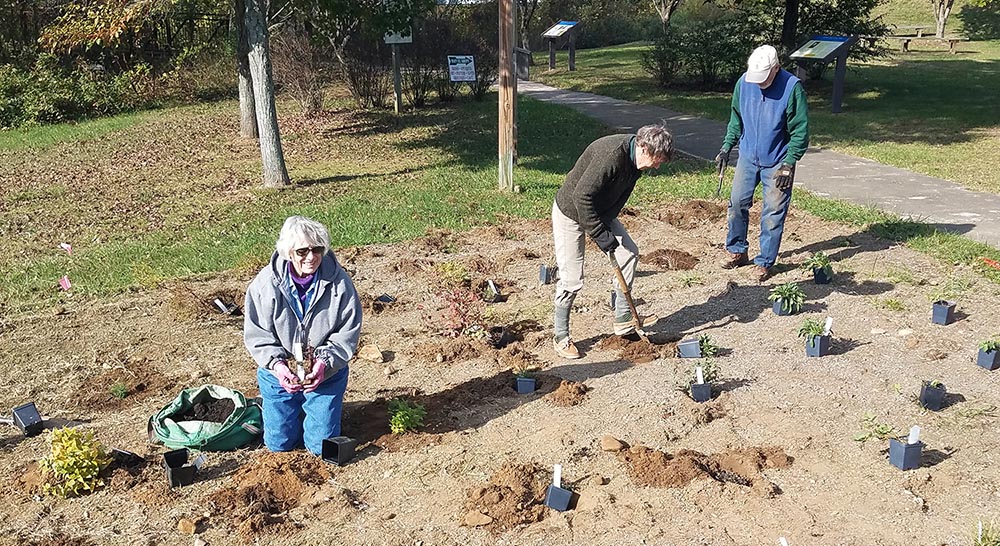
625,290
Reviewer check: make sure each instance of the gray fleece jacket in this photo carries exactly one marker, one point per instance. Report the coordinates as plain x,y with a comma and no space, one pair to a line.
332,323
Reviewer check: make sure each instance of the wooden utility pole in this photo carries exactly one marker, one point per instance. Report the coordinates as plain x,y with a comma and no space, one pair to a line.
397,101
508,94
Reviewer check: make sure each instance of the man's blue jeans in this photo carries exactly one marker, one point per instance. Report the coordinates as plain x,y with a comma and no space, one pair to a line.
293,419
772,217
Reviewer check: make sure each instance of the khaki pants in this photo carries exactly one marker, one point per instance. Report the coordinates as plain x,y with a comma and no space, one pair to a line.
570,240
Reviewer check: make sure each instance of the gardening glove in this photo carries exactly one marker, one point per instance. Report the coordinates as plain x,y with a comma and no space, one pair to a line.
783,177
722,159
606,241
286,377
317,376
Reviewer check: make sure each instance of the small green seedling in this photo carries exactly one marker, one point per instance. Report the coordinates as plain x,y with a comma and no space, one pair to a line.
810,329
872,428
990,345
453,274
74,464
405,416
707,346
689,279
987,534
709,370
119,390
820,261
791,296
891,304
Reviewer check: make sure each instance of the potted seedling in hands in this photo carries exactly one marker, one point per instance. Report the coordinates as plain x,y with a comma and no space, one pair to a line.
988,352
822,271
817,336
932,394
906,456
788,299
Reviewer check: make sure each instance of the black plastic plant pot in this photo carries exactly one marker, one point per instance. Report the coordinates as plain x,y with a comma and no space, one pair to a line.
689,348
558,498
988,359
820,276
385,298
547,274
27,418
126,458
701,392
179,471
932,396
904,456
943,312
780,310
818,346
526,385
339,450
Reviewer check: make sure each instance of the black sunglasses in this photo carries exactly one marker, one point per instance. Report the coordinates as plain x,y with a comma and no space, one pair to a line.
302,252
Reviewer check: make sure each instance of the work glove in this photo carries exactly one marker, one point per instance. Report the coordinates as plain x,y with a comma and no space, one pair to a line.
722,159
606,241
317,376
783,177
286,377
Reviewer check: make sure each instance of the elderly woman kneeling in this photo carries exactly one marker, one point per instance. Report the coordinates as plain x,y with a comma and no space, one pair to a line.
302,304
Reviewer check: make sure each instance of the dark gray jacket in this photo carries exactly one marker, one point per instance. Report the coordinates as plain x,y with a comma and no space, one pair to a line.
600,183
332,324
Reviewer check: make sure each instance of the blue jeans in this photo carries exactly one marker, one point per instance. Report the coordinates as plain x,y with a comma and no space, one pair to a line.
291,420
772,217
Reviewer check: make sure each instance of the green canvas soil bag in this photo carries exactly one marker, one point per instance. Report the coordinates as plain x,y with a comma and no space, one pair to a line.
242,427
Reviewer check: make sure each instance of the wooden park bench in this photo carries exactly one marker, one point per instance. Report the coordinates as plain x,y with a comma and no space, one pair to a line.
918,29
952,41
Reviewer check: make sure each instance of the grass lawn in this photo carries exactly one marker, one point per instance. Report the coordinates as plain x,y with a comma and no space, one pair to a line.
927,111
175,192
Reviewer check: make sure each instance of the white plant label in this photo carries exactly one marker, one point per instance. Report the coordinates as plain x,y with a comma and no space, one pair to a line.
297,351
300,372
700,375
828,326
222,307
914,435
493,287
782,541
556,475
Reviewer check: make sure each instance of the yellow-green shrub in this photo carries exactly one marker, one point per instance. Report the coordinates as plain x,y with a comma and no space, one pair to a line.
74,464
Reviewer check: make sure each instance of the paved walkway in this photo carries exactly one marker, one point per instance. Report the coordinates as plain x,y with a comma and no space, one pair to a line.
931,200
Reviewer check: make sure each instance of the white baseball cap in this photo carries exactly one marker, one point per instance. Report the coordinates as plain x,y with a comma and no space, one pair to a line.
760,63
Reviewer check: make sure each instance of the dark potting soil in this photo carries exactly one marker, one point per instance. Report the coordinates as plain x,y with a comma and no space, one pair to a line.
215,410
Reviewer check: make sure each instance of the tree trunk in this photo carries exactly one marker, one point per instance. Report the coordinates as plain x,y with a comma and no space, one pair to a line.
248,115
272,157
788,25
942,9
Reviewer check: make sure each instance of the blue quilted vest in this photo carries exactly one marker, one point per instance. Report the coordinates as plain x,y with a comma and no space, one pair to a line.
765,134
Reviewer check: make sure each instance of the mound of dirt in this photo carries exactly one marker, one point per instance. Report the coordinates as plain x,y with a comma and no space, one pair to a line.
437,240
654,468
513,496
515,358
702,413
569,393
262,492
670,259
215,411
139,381
451,350
691,214
632,348
409,267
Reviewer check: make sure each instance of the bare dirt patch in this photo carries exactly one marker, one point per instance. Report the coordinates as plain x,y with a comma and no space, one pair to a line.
451,349
659,469
634,349
669,259
140,380
513,496
691,214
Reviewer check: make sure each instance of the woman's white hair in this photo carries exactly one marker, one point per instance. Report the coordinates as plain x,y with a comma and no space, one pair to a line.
297,228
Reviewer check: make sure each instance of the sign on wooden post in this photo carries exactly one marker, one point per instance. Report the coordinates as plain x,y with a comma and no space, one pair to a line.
394,39
461,68
557,30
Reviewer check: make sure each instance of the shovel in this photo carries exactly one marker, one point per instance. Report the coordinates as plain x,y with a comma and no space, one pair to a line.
722,176
628,298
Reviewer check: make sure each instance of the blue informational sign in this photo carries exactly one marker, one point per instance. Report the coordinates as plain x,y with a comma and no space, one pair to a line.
559,29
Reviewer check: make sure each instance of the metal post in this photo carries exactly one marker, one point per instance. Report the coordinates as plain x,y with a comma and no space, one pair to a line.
572,49
505,151
838,80
397,103
552,53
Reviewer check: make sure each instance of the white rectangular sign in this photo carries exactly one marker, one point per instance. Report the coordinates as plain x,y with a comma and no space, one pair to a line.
559,29
397,38
819,47
462,68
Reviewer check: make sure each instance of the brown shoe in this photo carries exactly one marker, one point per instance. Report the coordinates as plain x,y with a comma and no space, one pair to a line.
732,261
566,348
760,273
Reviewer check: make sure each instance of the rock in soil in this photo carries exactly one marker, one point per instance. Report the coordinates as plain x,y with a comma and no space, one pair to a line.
187,526
476,519
371,352
610,443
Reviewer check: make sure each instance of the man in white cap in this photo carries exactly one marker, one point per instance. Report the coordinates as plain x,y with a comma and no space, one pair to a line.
769,119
